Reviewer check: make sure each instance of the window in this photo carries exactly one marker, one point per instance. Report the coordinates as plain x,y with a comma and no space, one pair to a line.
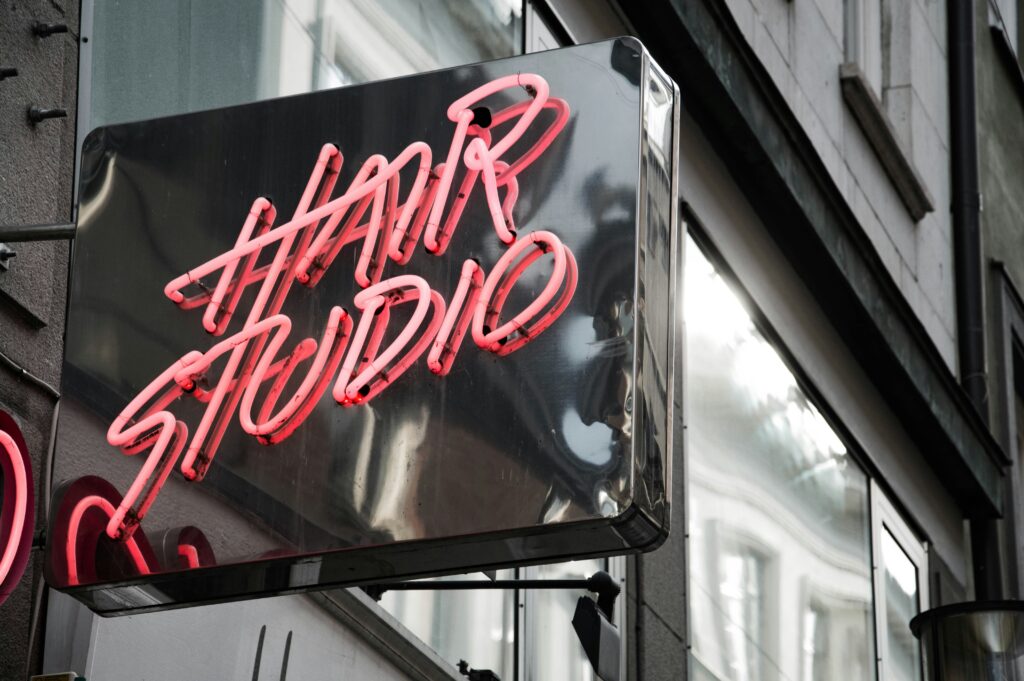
800,568
899,594
780,539
519,635
478,626
148,58
551,649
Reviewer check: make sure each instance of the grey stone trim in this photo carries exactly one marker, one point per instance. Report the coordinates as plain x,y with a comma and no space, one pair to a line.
870,115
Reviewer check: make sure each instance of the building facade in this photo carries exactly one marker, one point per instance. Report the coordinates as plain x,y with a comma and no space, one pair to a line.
850,191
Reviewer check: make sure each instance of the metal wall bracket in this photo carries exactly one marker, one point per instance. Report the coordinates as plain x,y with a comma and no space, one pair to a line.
58,232
600,583
6,253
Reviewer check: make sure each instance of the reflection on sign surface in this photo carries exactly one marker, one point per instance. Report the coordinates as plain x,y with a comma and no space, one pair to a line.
356,435
306,246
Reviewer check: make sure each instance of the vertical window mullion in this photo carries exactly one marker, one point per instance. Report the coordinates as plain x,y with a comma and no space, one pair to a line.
889,525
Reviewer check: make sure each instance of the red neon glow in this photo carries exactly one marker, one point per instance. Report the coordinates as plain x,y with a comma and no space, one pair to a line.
71,549
544,309
455,323
17,506
386,226
189,555
78,531
12,453
366,372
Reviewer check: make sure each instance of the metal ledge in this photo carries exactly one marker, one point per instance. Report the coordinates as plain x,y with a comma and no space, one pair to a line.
57,232
870,115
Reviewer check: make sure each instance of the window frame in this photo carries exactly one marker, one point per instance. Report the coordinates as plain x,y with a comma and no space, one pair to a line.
885,517
882,512
704,240
1008,306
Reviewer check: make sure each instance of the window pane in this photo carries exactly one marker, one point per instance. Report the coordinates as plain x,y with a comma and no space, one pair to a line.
780,570
901,605
476,626
552,650
161,57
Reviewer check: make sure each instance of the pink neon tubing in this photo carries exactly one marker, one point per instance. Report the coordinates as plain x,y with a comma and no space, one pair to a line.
20,482
170,434
462,122
394,291
466,103
190,554
456,321
487,312
215,419
561,108
528,333
272,429
370,265
261,215
71,543
372,176
479,156
391,233
328,161
403,241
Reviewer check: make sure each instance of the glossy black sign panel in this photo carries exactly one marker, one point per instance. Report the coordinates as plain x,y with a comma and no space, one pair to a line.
242,416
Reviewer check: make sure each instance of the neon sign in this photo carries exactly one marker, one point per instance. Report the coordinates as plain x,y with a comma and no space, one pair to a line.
17,513
351,357
446,340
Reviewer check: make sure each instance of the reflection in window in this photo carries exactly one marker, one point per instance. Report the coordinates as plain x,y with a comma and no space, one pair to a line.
480,626
742,595
552,649
477,626
163,57
815,647
780,570
901,605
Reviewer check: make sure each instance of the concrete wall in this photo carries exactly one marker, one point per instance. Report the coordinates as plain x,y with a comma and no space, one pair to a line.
801,45
36,169
296,637
1000,102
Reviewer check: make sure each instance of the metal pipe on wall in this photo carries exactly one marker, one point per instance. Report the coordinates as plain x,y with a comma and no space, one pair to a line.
967,261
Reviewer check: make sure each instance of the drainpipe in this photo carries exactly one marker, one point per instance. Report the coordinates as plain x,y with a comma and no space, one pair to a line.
967,261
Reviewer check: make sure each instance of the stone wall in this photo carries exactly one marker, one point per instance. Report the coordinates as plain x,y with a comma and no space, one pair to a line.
36,175
802,45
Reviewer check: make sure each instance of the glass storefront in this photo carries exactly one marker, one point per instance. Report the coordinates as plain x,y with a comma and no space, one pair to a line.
478,626
151,58
780,542
782,539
